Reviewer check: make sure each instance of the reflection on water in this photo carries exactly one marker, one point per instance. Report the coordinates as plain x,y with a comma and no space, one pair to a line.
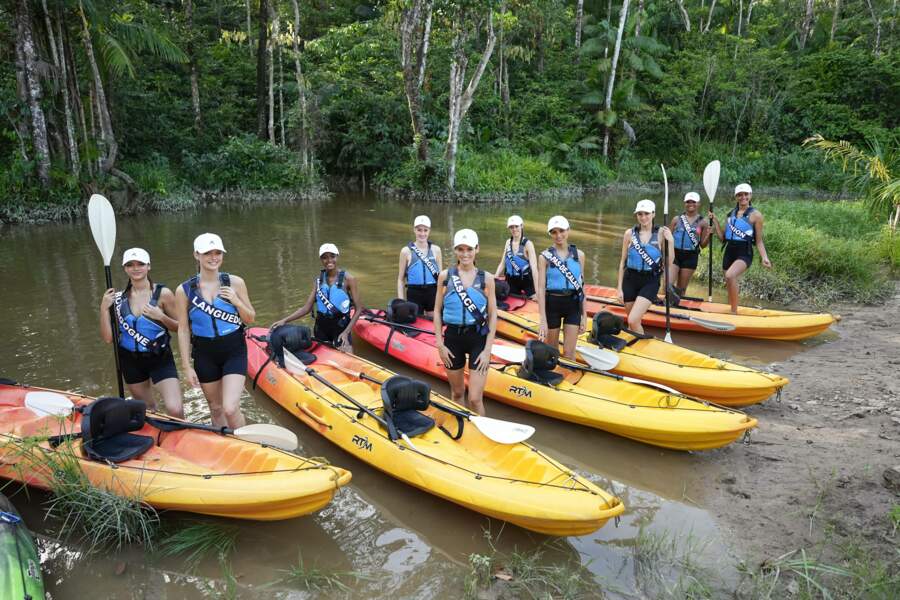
406,542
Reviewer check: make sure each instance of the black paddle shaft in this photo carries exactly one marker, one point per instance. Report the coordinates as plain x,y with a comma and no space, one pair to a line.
115,335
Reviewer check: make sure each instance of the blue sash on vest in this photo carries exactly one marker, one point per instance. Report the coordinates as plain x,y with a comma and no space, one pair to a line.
690,231
425,260
468,303
636,244
561,266
152,345
511,258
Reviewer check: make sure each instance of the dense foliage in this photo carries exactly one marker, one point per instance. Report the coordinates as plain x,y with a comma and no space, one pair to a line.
745,82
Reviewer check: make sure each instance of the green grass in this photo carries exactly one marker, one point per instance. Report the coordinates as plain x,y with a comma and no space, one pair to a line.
507,171
316,579
198,540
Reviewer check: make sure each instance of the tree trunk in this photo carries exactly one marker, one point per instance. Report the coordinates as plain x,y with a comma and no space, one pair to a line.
281,95
750,6
740,21
262,69
273,41
608,23
637,16
607,103
579,22
110,146
737,125
74,89
807,24
415,31
249,28
876,21
301,95
460,100
539,44
195,76
59,61
684,15
835,17
33,92
709,17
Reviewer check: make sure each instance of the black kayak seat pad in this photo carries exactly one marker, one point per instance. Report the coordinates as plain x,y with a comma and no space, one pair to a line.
403,398
105,426
540,361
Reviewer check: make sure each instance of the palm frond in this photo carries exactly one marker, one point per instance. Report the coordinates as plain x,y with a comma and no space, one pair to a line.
141,37
114,55
850,157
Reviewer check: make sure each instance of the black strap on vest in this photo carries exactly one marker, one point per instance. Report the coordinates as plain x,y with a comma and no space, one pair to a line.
510,256
155,345
732,217
323,279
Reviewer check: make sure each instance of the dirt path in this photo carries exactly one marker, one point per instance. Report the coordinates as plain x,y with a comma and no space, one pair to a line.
812,477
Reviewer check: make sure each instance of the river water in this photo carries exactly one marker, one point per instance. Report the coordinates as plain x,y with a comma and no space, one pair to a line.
405,542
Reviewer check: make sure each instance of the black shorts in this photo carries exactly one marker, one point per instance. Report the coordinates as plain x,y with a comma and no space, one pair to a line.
329,329
686,259
643,284
423,296
562,309
138,367
737,251
214,358
521,286
462,341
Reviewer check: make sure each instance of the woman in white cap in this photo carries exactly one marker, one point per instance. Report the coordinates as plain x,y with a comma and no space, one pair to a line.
641,263
743,229
560,294
144,314
334,295
420,265
468,308
213,307
519,262
691,233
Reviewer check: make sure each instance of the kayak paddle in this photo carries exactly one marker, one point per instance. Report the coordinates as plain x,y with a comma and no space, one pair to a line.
103,228
46,403
705,323
710,184
502,432
668,337
604,358
600,371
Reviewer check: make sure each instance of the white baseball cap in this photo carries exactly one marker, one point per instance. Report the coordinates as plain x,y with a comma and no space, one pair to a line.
422,220
328,248
557,222
692,197
515,220
743,187
465,237
138,254
205,242
646,206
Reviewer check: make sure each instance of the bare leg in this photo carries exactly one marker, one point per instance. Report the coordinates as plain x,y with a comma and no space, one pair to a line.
457,379
170,390
552,338
638,308
732,282
232,386
213,393
684,278
569,340
143,391
476,391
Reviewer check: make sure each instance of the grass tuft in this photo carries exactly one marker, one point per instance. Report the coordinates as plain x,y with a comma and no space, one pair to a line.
199,540
316,579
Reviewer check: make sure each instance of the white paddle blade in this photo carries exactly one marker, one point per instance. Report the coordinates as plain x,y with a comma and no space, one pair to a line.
652,384
714,325
103,226
665,191
268,434
511,354
668,337
48,404
502,432
598,358
711,179
293,364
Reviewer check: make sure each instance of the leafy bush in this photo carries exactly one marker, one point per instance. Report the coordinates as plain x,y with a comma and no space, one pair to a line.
154,176
506,171
248,163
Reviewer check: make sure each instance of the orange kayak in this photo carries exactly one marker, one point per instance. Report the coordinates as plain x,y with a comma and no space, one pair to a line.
760,323
186,469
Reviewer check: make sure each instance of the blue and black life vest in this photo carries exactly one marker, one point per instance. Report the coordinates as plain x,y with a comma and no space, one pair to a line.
455,311
140,333
556,280
687,233
211,320
648,258
331,300
418,272
517,264
740,229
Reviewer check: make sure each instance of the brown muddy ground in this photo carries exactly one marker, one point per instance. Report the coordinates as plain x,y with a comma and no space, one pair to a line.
812,476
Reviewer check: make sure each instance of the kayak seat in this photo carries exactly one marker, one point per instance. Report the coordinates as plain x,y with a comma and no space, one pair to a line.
501,291
402,311
403,398
540,361
294,338
605,330
105,426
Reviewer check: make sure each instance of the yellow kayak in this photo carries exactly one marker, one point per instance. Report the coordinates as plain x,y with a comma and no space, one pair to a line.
638,412
690,372
513,482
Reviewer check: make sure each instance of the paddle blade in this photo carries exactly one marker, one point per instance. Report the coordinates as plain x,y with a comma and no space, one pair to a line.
598,358
103,226
48,404
512,354
668,337
502,432
652,384
711,179
268,434
713,325
665,192
293,364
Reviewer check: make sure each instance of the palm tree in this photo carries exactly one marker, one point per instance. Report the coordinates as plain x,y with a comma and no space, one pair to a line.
874,173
